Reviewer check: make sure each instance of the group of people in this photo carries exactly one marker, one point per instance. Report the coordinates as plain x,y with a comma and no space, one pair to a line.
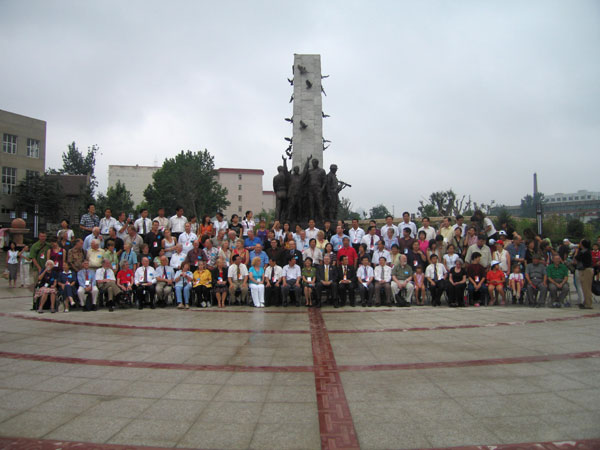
242,261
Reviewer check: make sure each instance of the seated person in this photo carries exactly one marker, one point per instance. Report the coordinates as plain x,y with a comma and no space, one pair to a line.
291,278
436,276
145,283
47,287
536,277
251,241
256,280
495,281
237,274
67,280
476,276
383,279
202,285
457,281
125,278
309,280
345,275
364,278
326,280
183,286
221,285
557,277
164,280
402,276
106,282
516,281
86,278
273,274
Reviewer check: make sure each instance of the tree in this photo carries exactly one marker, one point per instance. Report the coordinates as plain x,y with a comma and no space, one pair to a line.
40,191
117,198
378,212
528,204
345,210
268,215
188,180
575,229
448,203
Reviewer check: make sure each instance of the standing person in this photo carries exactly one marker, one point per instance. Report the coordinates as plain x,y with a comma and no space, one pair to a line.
12,262
430,232
356,234
235,225
187,238
177,222
143,224
154,239
221,286
407,223
89,220
220,223
107,222
256,279
65,230
206,227
183,286
247,223
168,243
585,272
503,257
25,266
163,222
39,251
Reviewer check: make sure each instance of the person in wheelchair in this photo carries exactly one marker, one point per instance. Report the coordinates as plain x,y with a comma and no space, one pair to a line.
67,281
145,283
47,286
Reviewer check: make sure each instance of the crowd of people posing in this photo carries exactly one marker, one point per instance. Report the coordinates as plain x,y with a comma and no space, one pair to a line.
242,261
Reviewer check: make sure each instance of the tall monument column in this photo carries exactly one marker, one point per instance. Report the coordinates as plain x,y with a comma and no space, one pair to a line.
308,111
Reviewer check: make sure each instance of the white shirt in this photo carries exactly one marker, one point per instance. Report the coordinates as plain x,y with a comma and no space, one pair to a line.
218,226
413,228
177,224
139,275
450,260
187,241
110,275
236,274
107,224
378,254
367,241
316,255
383,275
488,223
291,273
463,226
163,223
441,271
164,272
177,259
356,235
429,233
311,234
385,228
70,234
118,227
247,224
273,271
139,225
364,273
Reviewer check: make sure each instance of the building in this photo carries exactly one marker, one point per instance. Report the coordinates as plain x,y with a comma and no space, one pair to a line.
23,152
72,187
135,178
245,190
584,205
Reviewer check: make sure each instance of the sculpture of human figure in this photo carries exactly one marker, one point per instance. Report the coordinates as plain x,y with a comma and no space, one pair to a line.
316,178
294,194
333,188
280,186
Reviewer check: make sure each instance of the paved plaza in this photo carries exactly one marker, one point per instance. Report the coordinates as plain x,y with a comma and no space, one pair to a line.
298,378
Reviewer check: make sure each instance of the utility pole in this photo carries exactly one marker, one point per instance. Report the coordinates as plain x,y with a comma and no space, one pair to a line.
538,206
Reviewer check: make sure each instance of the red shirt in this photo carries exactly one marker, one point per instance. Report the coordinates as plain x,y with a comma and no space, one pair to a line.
495,277
349,252
595,257
125,277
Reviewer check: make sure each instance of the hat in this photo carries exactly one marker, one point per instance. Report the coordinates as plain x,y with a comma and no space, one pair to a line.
501,242
502,233
565,240
492,241
494,262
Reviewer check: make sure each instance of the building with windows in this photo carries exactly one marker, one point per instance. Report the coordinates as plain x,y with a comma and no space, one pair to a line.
135,178
23,152
584,205
245,190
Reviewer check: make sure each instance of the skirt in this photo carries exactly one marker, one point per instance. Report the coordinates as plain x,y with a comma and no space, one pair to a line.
44,290
12,271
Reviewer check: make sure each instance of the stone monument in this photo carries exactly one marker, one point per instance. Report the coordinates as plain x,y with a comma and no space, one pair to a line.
305,191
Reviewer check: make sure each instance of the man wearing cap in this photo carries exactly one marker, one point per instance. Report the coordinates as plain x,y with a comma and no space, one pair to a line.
482,249
535,274
558,277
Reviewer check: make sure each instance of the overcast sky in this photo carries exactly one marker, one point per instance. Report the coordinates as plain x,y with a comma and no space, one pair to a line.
423,95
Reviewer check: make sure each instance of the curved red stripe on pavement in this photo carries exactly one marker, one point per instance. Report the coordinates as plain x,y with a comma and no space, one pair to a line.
154,365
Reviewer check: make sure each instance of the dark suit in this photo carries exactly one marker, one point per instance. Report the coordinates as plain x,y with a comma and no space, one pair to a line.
285,256
345,289
331,288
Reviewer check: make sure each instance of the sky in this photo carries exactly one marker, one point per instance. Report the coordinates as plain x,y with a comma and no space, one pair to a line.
423,95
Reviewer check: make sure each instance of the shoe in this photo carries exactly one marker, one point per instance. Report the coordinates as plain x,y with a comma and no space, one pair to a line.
152,305
187,306
52,311
66,310
538,305
203,304
42,312
179,306
567,305
476,304
94,308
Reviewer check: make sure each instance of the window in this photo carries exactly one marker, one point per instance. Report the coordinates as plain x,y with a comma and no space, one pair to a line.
240,208
570,198
239,198
576,198
9,144
564,199
33,148
589,197
9,179
239,187
239,176
31,173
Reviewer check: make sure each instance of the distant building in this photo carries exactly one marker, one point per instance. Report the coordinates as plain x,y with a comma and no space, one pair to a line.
245,190
135,178
23,152
583,205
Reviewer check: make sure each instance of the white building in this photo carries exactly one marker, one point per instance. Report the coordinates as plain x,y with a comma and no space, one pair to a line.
135,178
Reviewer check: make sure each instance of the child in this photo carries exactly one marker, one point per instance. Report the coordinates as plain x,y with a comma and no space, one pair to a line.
420,286
495,279
516,282
25,269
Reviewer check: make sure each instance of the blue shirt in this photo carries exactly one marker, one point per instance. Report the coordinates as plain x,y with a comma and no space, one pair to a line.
91,277
130,257
87,242
252,242
257,274
337,241
65,278
264,258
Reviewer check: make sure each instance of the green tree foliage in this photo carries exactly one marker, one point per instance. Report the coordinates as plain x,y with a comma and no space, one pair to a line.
41,191
345,210
575,229
528,204
378,212
268,215
117,198
188,180
448,203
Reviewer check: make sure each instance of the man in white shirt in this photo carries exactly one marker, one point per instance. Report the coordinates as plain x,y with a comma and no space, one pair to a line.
177,258
313,253
371,239
406,222
460,224
163,222
107,222
489,228
238,279
383,278
273,274
356,234
436,275
107,283
429,230
380,252
220,223
187,238
291,277
145,283
121,226
311,231
326,280
389,224
164,280
143,224
364,275
177,222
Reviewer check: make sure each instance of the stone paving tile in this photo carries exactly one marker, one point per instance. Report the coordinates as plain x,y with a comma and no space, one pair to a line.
295,435
121,407
34,424
89,429
24,400
242,393
179,410
218,436
75,403
159,433
186,391
242,412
